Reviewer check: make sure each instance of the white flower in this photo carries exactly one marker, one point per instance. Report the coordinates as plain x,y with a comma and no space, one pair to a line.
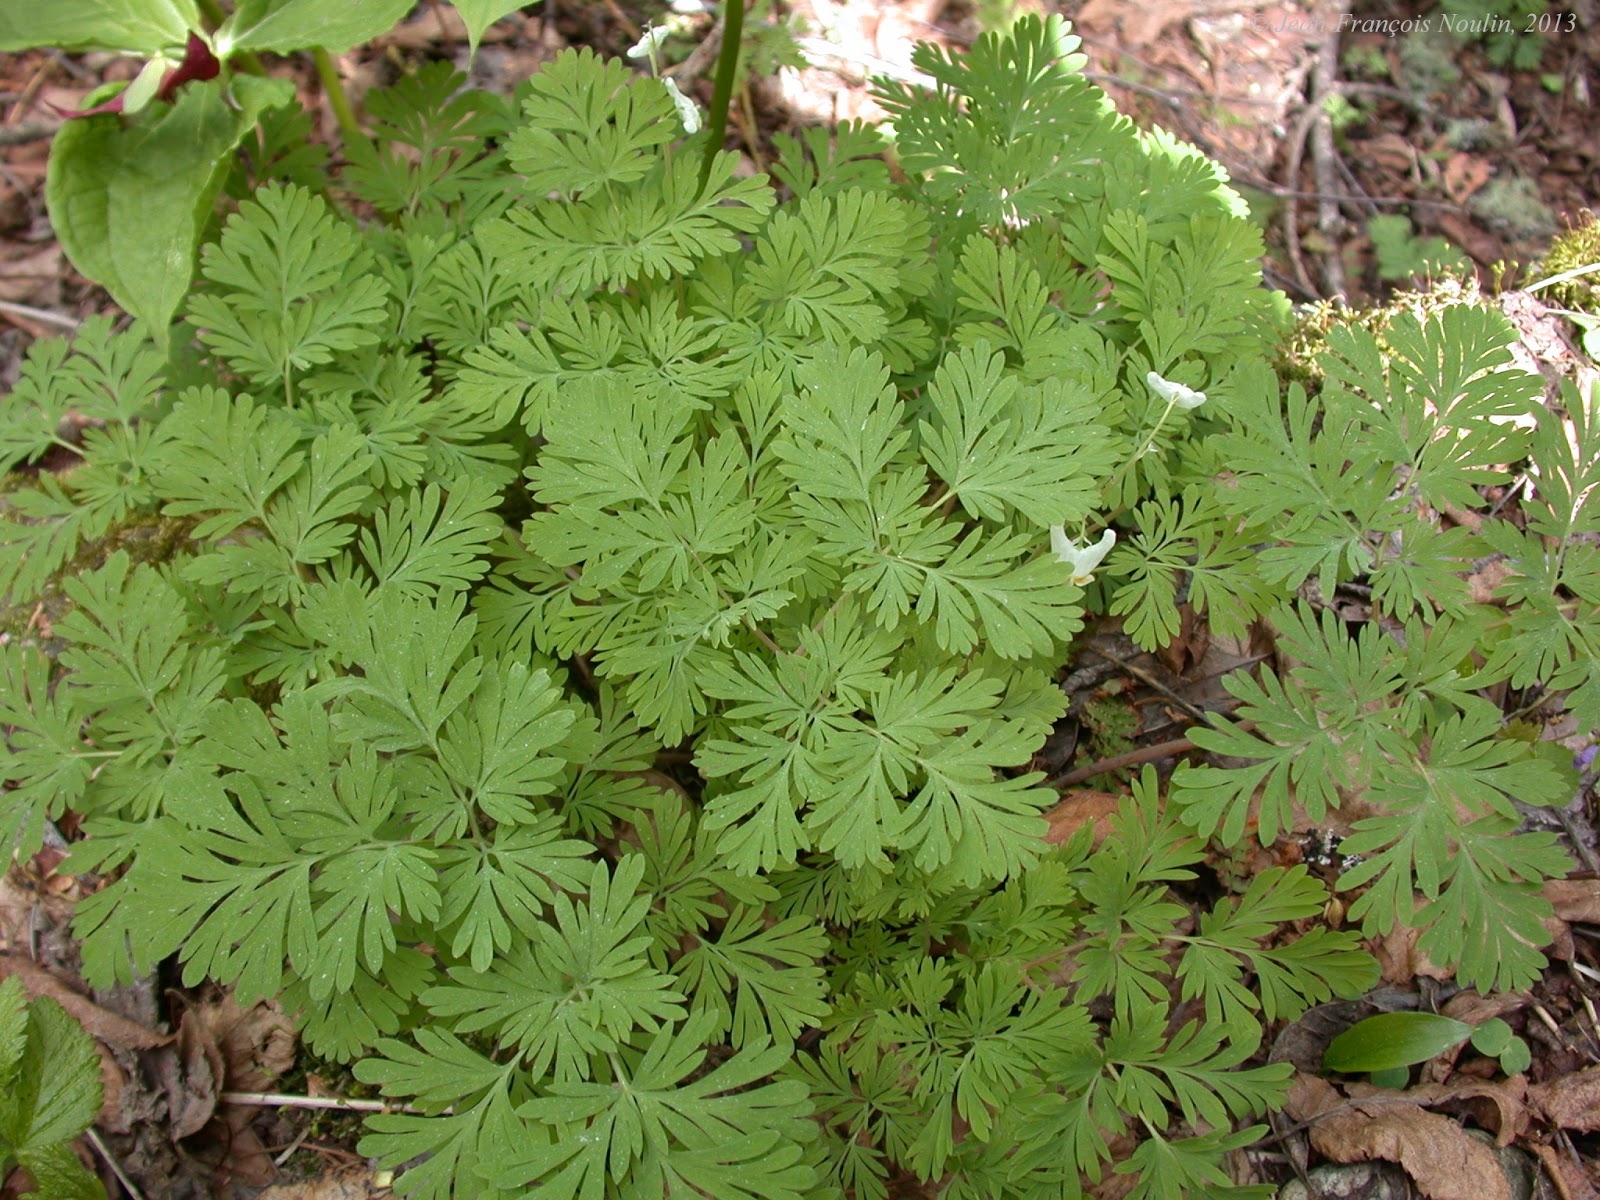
647,45
688,110
1082,559
1175,394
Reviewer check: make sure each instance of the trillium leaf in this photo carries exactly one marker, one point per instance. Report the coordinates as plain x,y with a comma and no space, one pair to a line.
141,26
129,199
285,25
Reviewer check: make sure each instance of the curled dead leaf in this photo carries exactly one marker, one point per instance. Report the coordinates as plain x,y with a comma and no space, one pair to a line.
101,1023
1401,961
1444,1161
1496,1105
1475,1008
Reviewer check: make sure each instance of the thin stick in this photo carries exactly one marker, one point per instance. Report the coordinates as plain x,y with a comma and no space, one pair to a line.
336,1103
1329,221
27,131
1134,758
1150,680
39,314
116,1168
1291,211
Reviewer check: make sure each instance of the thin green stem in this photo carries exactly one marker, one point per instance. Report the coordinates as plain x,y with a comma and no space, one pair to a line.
722,92
1115,482
212,12
245,60
338,98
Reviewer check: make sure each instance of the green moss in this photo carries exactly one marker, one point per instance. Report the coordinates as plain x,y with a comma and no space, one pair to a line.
1297,357
1578,247
145,537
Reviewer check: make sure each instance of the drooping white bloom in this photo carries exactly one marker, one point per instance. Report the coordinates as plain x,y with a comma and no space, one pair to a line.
647,45
1082,559
688,110
1175,394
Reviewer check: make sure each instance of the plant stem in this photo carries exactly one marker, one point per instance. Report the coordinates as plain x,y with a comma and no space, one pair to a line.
211,11
722,91
338,98
1111,487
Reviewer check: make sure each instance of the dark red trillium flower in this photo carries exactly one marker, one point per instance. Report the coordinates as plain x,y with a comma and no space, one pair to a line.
198,63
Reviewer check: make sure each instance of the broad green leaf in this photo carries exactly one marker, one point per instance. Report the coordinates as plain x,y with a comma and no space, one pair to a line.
285,25
143,26
13,1029
129,200
52,1098
480,14
1397,1039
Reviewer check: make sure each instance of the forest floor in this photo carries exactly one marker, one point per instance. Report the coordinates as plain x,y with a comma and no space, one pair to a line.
1366,154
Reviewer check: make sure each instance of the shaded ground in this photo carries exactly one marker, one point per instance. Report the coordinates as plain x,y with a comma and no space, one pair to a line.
1326,124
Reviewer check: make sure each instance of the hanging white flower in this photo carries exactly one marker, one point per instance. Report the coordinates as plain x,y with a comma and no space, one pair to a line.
688,110
647,45
1175,394
1082,559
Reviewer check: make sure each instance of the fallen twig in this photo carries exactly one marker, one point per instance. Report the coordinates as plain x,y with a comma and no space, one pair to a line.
116,1168
59,320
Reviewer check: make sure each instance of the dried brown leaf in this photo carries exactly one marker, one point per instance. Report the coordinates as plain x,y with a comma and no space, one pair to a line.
257,1044
1576,900
1444,1161
337,1185
1569,1101
1079,808
192,1077
1400,960
107,1026
1570,1181
1498,1106
1475,1009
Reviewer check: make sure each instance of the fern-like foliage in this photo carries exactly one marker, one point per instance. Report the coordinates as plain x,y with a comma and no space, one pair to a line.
582,640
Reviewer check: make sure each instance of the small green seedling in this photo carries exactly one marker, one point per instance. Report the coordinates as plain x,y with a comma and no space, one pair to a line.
1393,1040
1389,1044
1494,1039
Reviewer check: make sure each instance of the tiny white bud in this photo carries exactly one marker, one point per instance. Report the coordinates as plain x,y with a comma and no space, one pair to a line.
688,110
647,45
1082,559
1175,394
